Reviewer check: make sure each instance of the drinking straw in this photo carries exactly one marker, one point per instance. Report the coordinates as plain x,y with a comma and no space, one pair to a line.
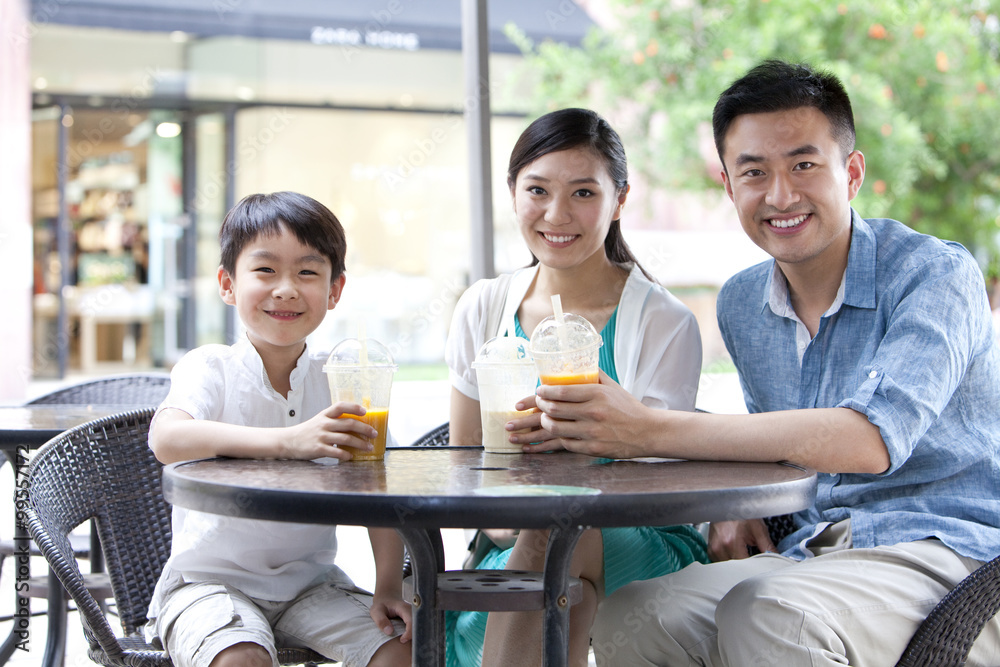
365,379
364,343
560,321
557,309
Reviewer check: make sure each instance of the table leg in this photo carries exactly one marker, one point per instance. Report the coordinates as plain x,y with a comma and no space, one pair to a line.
555,626
427,556
55,639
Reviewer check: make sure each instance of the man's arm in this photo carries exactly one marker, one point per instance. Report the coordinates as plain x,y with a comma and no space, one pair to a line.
176,436
604,420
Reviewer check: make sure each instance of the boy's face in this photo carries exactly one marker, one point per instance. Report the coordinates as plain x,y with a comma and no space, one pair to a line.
792,185
281,290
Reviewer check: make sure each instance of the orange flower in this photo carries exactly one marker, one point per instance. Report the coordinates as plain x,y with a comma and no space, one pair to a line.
981,87
887,91
877,31
671,78
638,57
879,187
919,31
886,129
652,48
921,81
727,53
654,15
941,60
842,9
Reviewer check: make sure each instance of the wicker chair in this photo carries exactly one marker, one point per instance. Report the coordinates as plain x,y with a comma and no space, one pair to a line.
104,471
946,636
436,437
128,390
138,389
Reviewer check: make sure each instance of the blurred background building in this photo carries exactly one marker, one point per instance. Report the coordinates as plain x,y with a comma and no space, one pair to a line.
150,118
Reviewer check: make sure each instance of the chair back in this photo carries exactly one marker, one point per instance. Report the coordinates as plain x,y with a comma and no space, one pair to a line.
436,437
138,389
103,470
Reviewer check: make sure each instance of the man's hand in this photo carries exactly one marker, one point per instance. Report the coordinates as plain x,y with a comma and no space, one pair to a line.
595,419
326,433
729,540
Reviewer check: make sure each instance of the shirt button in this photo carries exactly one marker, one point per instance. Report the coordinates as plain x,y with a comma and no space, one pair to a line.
873,374
291,413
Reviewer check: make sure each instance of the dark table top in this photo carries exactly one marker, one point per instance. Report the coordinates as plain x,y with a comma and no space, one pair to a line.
464,487
34,425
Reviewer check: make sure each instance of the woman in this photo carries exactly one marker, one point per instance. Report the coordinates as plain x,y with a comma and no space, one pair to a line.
568,180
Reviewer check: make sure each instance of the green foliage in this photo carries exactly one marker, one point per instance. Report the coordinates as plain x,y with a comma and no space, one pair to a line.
923,75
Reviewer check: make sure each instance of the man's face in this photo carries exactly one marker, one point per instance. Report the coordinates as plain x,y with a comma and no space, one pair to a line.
792,186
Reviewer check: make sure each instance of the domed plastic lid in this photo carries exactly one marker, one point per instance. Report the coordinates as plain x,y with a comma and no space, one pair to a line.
353,352
575,333
503,350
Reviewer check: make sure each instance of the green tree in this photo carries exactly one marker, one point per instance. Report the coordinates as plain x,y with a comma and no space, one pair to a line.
923,75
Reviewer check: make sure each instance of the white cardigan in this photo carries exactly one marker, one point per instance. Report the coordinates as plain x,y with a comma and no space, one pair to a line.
657,342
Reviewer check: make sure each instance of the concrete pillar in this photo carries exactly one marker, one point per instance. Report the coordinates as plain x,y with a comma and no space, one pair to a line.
15,195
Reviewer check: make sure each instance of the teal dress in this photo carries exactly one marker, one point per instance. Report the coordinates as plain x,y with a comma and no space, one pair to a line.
630,554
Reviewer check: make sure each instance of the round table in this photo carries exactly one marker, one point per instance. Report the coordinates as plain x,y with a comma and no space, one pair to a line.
418,491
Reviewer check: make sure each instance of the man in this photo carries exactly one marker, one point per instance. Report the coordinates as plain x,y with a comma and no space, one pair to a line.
865,351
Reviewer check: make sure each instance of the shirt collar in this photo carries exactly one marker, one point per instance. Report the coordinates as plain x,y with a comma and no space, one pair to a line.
859,290
777,299
857,287
248,353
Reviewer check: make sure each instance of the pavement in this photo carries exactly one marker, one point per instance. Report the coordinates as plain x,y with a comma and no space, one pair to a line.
416,407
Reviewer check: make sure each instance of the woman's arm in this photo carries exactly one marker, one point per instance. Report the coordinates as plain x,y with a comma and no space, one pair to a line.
465,426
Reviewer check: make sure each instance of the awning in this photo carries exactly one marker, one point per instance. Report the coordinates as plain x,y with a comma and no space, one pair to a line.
389,24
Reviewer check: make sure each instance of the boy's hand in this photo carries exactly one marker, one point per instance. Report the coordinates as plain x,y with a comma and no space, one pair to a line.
386,607
326,433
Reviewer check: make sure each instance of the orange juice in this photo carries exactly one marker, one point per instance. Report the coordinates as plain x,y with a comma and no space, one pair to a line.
378,418
570,378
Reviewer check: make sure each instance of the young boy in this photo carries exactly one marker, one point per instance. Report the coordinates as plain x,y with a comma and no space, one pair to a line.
233,588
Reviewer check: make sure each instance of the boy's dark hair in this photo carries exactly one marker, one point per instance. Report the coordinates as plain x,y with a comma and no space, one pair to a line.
775,85
312,223
577,128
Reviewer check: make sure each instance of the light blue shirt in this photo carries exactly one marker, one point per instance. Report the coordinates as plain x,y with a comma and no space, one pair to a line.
912,348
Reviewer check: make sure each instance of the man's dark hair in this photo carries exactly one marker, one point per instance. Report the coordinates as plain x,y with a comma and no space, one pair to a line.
775,85
265,214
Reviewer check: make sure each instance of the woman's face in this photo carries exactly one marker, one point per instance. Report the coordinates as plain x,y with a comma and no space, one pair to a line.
564,203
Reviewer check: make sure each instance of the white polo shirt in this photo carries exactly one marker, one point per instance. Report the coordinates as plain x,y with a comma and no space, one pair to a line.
269,560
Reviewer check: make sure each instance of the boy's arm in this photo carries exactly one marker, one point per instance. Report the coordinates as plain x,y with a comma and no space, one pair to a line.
176,436
387,548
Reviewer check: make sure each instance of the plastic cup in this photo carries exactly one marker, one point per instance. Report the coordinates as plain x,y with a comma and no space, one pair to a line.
361,372
505,374
566,353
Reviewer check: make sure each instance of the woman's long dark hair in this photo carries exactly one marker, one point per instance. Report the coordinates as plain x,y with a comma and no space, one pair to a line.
578,128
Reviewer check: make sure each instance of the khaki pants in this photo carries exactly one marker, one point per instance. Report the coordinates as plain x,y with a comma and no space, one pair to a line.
845,607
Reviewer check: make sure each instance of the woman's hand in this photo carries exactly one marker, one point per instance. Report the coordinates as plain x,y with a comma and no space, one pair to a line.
596,419
528,429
